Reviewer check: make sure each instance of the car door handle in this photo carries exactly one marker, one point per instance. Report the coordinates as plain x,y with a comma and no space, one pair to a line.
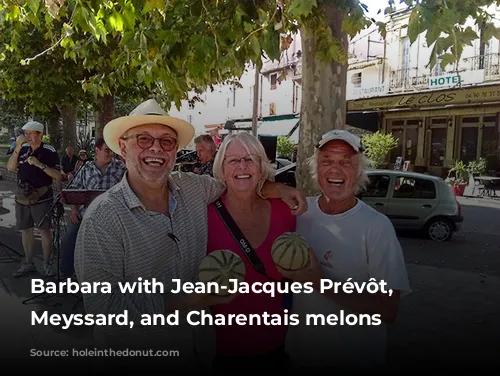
378,204
427,206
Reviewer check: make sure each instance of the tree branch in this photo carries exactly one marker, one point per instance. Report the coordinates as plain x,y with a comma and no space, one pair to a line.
26,61
260,28
212,28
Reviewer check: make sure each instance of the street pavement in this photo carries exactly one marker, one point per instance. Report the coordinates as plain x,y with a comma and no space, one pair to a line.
450,321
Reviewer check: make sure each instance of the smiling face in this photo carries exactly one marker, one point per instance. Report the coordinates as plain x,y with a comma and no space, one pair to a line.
337,170
241,170
146,161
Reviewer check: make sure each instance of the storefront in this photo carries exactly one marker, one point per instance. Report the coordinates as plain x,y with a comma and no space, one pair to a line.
436,128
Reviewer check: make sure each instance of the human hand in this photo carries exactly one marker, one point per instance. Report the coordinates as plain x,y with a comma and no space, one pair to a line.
20,140
311,273
294,198
74,218
34,162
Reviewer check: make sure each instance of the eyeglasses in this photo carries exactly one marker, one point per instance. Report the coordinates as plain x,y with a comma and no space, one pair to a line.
249,160
145,141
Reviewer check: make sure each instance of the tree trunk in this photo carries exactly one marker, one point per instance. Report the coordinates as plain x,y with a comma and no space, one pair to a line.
323,95
105,113
54,128
69,116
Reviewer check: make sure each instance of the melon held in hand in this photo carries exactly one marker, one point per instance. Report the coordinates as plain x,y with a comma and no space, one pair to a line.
220,267
290,251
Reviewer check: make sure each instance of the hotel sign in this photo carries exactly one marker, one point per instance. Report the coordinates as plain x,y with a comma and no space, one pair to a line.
454,79
429,99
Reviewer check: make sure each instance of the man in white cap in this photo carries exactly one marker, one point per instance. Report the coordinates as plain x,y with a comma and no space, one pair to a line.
348,239
152,225
37,165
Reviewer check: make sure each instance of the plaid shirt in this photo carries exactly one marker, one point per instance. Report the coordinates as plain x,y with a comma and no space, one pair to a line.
90,176
206,168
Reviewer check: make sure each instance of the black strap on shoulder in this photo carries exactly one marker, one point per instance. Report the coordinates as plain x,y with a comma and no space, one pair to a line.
245,246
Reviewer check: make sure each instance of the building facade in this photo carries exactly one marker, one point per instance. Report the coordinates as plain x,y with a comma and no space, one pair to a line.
439,116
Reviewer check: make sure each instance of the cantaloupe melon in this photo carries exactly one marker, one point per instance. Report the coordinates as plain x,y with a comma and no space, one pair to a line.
221,266
290,251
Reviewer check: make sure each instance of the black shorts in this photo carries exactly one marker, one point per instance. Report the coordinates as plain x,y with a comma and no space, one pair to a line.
29,216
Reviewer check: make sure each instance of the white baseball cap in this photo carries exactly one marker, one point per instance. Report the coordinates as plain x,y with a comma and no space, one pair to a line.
338,134
33,126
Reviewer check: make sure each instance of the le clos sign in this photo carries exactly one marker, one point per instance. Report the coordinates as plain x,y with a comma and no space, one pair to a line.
436,98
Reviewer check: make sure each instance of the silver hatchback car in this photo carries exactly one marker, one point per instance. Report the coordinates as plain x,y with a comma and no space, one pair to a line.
415,201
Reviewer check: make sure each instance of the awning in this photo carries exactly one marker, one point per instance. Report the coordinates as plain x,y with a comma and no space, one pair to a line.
280,125
277,127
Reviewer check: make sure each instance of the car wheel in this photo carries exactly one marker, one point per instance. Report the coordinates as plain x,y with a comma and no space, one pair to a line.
440,229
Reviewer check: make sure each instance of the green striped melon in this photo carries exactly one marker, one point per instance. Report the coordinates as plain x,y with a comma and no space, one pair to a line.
290,251
220,266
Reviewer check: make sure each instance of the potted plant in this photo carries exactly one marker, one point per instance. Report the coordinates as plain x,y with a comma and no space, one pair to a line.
457,177
378,146
477,167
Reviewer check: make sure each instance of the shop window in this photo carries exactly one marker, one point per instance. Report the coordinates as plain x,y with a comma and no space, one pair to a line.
489,147
398,134
356,79
438,146
274,80
407,138
470,120
272,109
468,146
411,141
439,121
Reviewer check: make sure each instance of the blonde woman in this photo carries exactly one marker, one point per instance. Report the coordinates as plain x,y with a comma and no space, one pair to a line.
242,165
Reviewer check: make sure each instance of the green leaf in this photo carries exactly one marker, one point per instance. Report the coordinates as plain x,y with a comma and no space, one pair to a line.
254,43
415,26
271,43
153,4
433,33
302,8
34,5
116,21
467,37
382,29
447,59
129,16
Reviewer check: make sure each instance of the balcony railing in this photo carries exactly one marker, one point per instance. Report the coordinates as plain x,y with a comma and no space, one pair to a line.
408,79
413,79
489,62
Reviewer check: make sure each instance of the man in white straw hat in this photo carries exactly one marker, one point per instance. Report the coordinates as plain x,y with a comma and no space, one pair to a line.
37,165
152,225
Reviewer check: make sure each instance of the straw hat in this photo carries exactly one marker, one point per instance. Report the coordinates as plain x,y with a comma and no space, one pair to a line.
148,112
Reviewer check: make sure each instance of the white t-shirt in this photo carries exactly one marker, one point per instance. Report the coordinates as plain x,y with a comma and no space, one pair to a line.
359,244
